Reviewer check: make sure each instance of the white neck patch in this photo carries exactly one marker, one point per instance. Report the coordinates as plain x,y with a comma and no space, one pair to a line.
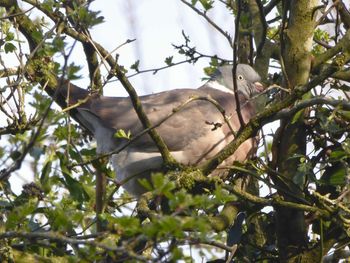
216,85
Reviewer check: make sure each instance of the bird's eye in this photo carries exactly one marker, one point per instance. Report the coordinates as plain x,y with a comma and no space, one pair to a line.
240,77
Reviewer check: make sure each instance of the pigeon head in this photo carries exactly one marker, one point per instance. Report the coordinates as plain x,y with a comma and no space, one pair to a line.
247,79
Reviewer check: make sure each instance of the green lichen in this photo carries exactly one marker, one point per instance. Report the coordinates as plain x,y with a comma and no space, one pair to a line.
40,70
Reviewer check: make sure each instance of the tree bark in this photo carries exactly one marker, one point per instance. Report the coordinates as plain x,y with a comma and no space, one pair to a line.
296,54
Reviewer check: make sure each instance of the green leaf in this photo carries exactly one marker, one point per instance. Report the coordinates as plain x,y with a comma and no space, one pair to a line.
121,134
297,116
223,196
45,177
48,5
90,152
128,225
304,170
169,61
9,47
337,155
207,4
10,36
335,175
165,226
209,71
214,62
58,44
145,184
72,72
162,185
135,66
37,35
15,155
338,177
176,254
18,216
345,114
88,18
75,188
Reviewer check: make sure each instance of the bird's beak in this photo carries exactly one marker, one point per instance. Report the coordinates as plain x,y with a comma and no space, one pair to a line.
259,87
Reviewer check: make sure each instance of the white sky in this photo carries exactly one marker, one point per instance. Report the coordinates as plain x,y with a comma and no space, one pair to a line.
156,24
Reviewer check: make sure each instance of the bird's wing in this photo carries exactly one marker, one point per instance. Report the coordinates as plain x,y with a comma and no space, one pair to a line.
198,126
193,134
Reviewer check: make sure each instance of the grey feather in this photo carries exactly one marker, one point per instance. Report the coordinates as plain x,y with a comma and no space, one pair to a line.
189,134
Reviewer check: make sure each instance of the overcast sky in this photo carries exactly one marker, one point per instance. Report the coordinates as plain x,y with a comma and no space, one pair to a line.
156,24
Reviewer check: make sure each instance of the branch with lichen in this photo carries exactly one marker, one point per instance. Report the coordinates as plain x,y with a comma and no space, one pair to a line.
341,48
344,13
59,238
266,116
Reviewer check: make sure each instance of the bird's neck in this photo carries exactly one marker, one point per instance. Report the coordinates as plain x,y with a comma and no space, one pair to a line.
214,84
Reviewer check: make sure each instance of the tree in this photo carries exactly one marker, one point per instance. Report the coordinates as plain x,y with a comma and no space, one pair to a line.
70,212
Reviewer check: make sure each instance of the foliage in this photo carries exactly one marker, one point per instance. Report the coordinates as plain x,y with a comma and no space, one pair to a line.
304,167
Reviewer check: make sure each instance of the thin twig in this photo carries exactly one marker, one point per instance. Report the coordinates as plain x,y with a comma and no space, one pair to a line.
211,22
17,14
234,68
264,27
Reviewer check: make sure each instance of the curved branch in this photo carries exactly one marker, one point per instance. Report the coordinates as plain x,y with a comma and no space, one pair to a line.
343,104
27,27
264,27
277,202
90,53
344,13
343,46
268,8
342,75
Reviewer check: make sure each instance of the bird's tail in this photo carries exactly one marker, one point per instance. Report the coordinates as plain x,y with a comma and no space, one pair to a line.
72,99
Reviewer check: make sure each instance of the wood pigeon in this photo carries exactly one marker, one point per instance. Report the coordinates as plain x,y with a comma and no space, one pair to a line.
193,135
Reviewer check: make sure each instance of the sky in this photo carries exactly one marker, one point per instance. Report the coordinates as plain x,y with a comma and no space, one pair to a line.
156,25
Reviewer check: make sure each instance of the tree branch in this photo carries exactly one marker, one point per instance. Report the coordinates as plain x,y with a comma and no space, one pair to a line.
271,5
89,50
343,46
211,22
265,116
57,237
27,28
234,68
344,13
289,113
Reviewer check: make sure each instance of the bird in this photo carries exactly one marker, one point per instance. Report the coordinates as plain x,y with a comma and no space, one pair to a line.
193,134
